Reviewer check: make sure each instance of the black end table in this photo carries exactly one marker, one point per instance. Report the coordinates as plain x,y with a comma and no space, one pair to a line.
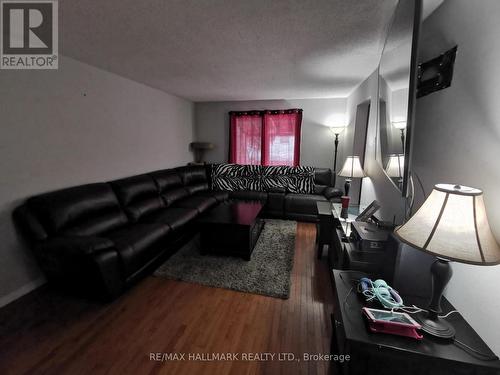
376,353
232,228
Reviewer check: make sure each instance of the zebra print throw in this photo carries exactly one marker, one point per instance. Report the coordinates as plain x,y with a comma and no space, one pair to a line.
235,177
299,180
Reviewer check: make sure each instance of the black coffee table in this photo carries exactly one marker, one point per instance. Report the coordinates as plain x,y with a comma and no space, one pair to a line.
232,228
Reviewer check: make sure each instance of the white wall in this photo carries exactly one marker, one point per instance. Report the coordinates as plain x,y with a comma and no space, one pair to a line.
71,126
457,139
212,125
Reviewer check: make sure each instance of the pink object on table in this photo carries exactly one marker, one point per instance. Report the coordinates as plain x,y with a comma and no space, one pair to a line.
345,201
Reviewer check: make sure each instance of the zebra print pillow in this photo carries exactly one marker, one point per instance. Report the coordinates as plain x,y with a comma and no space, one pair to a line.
234,177
298,180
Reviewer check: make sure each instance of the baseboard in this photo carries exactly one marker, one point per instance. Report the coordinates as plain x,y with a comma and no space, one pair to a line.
25,289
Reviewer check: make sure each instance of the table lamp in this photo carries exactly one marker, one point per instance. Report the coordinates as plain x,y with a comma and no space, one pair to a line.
452,225
351,169
395,167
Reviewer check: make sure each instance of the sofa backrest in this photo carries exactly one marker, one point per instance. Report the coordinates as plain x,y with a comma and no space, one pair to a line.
194,178
84,210
169,185
323,176
138,195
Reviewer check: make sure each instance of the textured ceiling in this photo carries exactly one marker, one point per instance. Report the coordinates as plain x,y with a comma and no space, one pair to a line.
209,50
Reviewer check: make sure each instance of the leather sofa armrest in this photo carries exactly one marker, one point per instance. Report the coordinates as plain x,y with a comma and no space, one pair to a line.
90,265
331,192
75,245
28,224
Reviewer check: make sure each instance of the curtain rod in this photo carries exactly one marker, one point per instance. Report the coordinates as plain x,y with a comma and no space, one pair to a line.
266,111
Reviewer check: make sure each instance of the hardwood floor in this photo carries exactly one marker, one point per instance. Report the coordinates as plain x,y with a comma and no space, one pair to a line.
45,333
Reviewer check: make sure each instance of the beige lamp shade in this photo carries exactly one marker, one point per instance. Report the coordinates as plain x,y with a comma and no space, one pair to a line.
452,224
352,168
395,166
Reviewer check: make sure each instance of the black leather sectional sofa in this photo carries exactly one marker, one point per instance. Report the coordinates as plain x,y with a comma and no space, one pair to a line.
99,238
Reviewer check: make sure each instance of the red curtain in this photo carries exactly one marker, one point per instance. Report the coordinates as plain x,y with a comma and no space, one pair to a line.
281,138
246,136
266,138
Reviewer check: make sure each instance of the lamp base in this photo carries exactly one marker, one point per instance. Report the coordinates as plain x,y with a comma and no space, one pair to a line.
347,186
435,326
431,323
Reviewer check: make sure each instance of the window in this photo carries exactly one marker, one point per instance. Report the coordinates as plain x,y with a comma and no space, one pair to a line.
246,137
265,137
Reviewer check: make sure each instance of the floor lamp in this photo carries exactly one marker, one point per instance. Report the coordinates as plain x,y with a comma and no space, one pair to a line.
336,130
401,126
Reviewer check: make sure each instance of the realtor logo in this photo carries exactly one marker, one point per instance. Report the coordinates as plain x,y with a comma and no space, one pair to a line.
29,37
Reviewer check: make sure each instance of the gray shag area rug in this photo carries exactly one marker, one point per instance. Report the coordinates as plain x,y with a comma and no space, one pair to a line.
267,273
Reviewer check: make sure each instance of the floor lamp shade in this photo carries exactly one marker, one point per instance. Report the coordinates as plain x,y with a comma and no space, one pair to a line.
400,125
452,224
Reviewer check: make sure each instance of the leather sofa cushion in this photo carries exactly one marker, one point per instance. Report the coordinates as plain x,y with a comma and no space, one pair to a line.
170,186
138,195
138,243
174,217
103,223
323,176
303,203
220,196
173,195
83,210
276,203
196,188
319,189
331,192
199,203
75,245
166,179
248,195
192,174
328,191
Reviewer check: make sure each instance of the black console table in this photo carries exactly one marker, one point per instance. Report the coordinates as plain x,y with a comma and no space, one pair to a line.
375,353
334,231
